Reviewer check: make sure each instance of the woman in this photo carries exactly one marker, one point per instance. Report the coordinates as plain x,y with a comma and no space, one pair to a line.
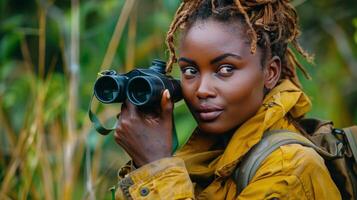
238,80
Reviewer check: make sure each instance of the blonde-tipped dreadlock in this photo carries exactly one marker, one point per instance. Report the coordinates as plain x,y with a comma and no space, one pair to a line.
272,25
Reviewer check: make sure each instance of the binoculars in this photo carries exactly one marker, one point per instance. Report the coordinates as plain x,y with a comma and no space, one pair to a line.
142,87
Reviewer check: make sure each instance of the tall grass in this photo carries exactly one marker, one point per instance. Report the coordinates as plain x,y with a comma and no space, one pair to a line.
46,157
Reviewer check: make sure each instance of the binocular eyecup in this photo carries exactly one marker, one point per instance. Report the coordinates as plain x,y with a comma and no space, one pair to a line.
144,90
110,89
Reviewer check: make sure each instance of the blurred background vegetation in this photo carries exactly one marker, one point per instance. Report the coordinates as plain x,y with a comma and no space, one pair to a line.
51,52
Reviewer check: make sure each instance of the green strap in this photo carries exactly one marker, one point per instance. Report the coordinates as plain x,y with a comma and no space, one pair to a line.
112,190
271,141
351,136
94,119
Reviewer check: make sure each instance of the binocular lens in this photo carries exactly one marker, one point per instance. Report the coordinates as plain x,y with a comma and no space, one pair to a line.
106,89
139,91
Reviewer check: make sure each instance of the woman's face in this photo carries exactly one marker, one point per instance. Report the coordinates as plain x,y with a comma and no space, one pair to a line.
222,81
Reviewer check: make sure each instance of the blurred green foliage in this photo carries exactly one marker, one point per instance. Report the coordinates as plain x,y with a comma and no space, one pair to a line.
36,140
355,25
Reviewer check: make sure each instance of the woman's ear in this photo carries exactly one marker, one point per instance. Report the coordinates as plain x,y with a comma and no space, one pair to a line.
272,72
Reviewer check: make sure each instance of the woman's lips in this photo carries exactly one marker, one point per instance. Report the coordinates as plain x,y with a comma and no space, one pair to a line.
209,112
209,116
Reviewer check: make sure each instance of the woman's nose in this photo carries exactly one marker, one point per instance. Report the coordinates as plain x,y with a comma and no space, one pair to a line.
206,88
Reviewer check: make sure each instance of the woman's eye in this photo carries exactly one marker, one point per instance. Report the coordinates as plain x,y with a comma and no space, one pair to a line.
189,71
225,70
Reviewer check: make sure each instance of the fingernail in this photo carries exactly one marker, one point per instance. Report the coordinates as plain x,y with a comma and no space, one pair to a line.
167,94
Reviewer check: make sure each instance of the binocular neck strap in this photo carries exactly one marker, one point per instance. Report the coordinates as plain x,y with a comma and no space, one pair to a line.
95,121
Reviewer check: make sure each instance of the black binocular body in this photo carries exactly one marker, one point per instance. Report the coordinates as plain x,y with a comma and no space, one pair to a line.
143,87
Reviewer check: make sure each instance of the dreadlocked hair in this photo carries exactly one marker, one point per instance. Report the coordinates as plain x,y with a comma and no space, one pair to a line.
271,25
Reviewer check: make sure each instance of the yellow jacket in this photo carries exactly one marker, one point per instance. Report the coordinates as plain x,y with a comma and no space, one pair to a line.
201,170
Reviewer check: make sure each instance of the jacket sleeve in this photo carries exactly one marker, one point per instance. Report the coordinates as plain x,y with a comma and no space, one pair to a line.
166,178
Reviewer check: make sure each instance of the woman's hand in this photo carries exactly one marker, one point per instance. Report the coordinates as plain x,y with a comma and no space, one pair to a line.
146,137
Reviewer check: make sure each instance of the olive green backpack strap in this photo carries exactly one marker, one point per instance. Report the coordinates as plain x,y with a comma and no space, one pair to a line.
351,137
271,141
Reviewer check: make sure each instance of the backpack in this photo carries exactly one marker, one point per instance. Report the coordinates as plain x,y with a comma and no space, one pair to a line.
338,147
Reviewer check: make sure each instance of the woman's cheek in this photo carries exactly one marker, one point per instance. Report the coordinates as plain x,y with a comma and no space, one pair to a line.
187,89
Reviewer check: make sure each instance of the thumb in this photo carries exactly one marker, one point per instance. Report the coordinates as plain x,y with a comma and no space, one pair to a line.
166,104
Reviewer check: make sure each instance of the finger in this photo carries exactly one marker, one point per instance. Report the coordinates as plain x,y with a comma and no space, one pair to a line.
123,109
166,104
120,116
117,133
132,111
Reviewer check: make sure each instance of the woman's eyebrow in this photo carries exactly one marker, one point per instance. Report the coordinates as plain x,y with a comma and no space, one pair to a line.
223,56
187,60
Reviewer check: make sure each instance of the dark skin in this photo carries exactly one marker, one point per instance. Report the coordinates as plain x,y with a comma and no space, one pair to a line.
222,84
145,137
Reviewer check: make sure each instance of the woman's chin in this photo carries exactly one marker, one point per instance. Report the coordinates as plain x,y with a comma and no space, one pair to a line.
213,128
